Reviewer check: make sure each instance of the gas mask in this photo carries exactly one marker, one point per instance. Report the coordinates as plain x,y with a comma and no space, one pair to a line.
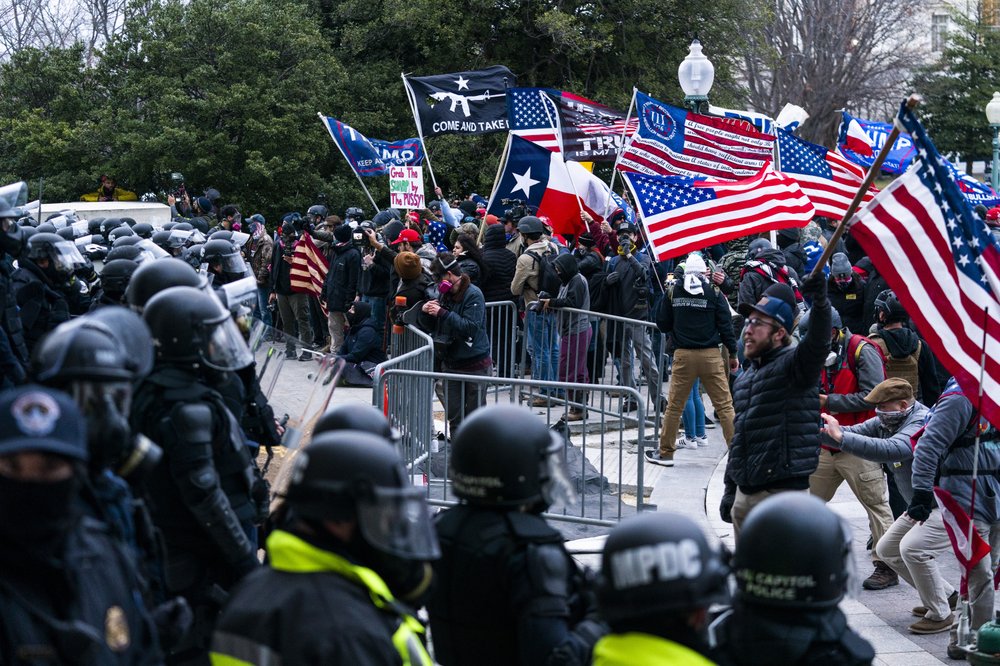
444,286
842,281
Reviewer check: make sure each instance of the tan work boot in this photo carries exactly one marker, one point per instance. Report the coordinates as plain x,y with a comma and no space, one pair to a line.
929,626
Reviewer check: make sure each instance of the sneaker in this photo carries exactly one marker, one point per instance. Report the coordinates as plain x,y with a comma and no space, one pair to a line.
575,415
686,443
709,424
881,578
920,611
291,354
629,405
656,458
929,626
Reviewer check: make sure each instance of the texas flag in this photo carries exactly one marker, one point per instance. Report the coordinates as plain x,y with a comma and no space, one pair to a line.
550,186
857,139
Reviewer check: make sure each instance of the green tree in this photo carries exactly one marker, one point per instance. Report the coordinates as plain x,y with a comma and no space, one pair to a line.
957,88
226,92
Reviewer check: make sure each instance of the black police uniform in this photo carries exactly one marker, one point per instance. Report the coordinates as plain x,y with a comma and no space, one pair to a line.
507,592
42,304
79,607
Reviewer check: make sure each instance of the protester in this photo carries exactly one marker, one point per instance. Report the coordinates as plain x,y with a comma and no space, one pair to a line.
574,331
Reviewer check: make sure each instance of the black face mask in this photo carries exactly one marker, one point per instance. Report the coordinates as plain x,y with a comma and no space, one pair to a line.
353,319
37,515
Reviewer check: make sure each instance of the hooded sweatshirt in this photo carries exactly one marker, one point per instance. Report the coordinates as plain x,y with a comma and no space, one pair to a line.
573,293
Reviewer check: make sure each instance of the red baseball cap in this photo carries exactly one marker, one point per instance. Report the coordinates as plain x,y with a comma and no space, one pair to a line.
407,236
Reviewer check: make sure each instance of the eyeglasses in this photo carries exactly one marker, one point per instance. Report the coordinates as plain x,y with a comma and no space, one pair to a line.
754,322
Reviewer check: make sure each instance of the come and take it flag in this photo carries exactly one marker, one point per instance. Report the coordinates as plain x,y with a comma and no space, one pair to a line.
544,182
828,179
682,214
673,141
943,264
956,524
461,103
309,268
372,157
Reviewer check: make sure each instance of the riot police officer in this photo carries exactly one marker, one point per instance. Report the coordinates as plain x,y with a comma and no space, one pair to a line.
48,292
13,351
352,548
201,493
792,564
153,277
68,593
224,261
506,590
658,578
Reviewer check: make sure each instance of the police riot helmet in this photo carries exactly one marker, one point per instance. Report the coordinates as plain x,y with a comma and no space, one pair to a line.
94,225
80,349
115,277
64,256
119,232
66,233
793,552
161,238
108,224
143,229
153,277
183,226
353,416
226,255
191,327
132,335
886,303
351,475
130,252
12,198
659,563
128,240
353,213
46,228
505,456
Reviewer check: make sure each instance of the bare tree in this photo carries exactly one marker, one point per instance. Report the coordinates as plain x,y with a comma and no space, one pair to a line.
827,55
19,22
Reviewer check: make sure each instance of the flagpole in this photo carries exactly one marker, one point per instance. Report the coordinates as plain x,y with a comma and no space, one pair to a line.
911,103
496,181
411,98
618,157
562,148
322,119
776,165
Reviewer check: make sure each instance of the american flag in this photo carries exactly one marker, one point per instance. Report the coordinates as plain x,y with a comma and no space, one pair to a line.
828,179
534,116
673,141
682,214
309,268
942,263
591,131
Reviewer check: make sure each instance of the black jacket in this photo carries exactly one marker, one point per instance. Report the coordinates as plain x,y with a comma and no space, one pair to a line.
363,343
341,286
374,280
850,303
42,304
697,321
93,583
10,320
776,443
502,262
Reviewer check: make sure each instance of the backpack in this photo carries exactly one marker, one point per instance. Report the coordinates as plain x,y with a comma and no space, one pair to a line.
547,279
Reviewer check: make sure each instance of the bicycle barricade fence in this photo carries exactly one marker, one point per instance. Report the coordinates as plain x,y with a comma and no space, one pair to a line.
612,354
502,329
408,401
603,446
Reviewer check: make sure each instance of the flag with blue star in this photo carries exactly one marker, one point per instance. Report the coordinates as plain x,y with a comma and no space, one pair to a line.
943,264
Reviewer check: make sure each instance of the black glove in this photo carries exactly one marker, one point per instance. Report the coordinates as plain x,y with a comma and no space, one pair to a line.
173,620
921,505
726,507
814,285
613,278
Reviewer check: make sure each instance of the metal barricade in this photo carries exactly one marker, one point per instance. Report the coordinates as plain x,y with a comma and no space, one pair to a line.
608,465
501,327
406,400
616,346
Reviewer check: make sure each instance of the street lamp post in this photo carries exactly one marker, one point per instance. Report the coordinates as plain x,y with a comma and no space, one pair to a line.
696,74
993,117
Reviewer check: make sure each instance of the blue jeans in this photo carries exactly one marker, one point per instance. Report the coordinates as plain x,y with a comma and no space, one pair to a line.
694,413
262,312
544,340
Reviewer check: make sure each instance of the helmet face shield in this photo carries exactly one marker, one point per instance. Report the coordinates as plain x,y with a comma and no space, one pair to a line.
395,521
150,251
557,487
66,257
225,348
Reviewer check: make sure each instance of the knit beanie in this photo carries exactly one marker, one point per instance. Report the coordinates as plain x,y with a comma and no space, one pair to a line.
407,265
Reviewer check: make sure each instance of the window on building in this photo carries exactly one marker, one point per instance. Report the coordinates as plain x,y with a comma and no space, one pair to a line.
939,31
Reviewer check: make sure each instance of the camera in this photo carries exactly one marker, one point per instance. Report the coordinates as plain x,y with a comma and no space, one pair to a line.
516,209
177,185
